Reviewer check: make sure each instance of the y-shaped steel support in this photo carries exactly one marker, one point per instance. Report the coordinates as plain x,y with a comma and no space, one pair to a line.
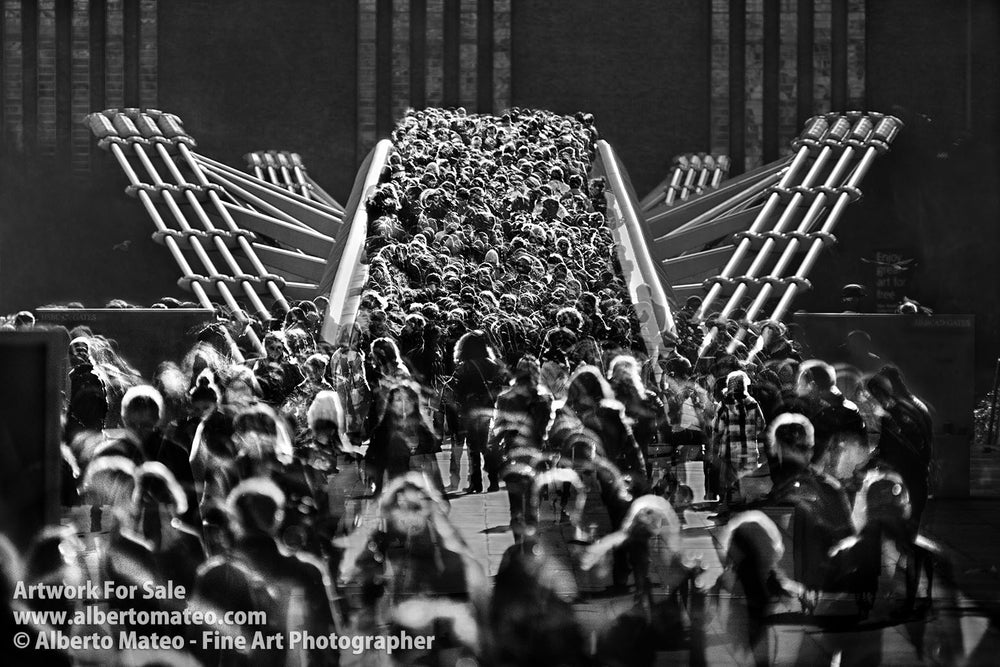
881,137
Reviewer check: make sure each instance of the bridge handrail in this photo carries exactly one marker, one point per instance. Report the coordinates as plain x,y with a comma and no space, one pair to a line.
638,266
348,249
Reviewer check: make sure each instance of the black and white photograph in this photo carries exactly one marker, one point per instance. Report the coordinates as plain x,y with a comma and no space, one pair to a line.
499,333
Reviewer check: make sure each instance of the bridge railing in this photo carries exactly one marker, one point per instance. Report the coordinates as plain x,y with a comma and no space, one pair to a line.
647,287
346,273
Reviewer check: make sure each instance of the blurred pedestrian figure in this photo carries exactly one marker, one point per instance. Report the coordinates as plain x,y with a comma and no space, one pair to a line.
737,433
402,441
277,373
478,379
905,439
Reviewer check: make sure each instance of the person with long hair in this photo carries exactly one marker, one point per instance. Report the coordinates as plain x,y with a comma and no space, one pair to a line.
328,426
88,393
402,440
592,416
530,616
882,513
434,563
902,394
591,405
115,372
240,388
217,337
751,550
262,441
333,463
477,381
385,369
644,408
159,502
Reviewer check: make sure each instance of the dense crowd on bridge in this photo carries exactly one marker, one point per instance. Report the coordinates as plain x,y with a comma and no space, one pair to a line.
496,323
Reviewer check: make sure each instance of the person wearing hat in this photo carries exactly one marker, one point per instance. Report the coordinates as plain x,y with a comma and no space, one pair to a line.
24,320
851,297
692,304
774,343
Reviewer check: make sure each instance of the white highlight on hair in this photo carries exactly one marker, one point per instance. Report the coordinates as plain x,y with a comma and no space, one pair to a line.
787,419
326,406
144,391
775,542
161,472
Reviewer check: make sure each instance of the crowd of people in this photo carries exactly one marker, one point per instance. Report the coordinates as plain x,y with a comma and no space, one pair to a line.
495,324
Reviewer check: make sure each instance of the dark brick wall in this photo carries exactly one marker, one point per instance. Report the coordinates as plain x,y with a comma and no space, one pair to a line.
641,67
916,57
248,75
59,233
934,197
243,75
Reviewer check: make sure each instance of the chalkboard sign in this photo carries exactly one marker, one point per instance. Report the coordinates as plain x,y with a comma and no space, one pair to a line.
892,278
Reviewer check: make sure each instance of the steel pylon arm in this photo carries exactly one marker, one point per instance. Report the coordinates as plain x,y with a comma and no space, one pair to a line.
252,239
690,175
287,170
716,202
740,241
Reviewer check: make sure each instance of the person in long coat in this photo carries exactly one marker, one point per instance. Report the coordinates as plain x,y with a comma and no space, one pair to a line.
477,382
402,440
